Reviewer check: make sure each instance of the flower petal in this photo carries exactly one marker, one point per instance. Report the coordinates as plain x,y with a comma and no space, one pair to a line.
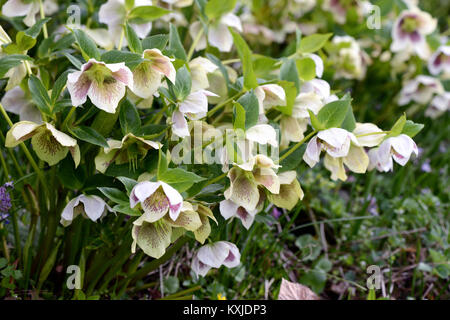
153,238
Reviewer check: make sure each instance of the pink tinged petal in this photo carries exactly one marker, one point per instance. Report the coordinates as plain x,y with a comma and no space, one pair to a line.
142,191
175,200
220,37
318,86
295,291
402,146
245,217
199,267
337,141
161,63
107,95
121,73
14,100
234,257
16,8
312,153
78,86
228,209
213,254
179,124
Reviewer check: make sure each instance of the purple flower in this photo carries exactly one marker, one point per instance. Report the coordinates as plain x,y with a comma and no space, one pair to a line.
5,201
276,213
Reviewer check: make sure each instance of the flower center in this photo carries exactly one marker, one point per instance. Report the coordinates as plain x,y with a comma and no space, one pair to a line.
409,24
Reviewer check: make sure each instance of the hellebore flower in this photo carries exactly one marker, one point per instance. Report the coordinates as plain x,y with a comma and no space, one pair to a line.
103,83
215,255
195,107
124,151
156,199
440,61
15,74
152,238
410,30
335,141
350,60
438,106
147,76
49,144
27,8
15,102
398,148
229,209
200,67
90,206
420,90
262,134
113,13
218,34
290,191
270,95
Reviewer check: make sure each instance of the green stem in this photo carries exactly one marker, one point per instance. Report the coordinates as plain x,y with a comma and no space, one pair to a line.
44,27
221,105
296,146
69,115
194,44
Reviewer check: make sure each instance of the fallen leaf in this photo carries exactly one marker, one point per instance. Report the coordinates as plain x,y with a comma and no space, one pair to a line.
295,291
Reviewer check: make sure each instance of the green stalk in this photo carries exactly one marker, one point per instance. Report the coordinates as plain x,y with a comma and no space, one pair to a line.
296,146
221,105
194,44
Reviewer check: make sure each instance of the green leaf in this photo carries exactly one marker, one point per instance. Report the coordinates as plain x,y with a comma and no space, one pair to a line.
11,61
39,94
298,38
24,41
87,45
58,86
306,68
115,56
158,41
397,128
175,45
183,83
89,134
144,14
134,43
291,94
411,128
125,209
115,195
313,42
216,8
317,125
245,55
130,122
36,28
77,63
349,123
238,116
128,183
333,114
288,72
250,103
179,178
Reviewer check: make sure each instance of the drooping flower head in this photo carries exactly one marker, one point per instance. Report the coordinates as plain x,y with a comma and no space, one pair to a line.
15,101
103,83
397,148
156,199
28,8
440,61
50,144
438,106
420,89
409,32
349,59
215,255
147,76
90,206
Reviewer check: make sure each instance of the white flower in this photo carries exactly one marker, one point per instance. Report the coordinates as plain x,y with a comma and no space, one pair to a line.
398,148
334,141
438,106
200,67
179,3
409,32
29,9
113,14
440,61
103,83
15,102
229,209
147,76
270,95
156,199
50,144
420,90
262,134
90,206
218,34
368,134
195,107
215,255
350,60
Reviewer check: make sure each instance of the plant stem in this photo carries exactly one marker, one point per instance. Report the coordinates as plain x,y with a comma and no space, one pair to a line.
122,35
44,27
194,44
296,146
